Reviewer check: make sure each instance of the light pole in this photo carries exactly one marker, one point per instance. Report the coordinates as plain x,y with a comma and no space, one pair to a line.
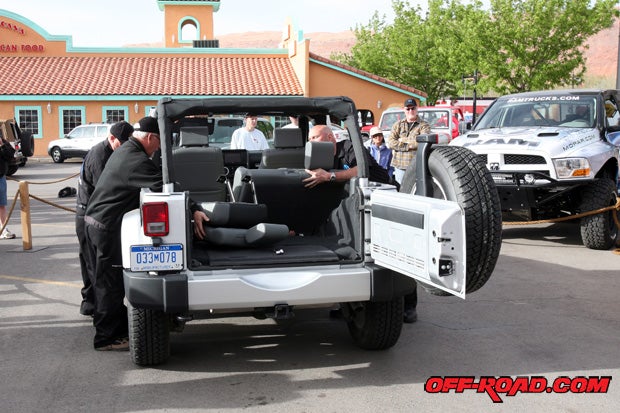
618,62
474,77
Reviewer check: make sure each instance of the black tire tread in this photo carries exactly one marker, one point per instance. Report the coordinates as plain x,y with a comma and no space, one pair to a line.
598,232
149,336
475,191
382,324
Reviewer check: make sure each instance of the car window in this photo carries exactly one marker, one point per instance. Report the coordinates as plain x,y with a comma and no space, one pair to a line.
102,131
389,119
224,128
569,111
89,132
77,133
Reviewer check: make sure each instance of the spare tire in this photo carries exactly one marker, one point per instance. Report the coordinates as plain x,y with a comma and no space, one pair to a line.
27,144
459,175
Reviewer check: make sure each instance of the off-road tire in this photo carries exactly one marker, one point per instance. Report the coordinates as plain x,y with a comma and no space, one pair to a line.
57,155
375,325
598,232
149,336
26,144
460,175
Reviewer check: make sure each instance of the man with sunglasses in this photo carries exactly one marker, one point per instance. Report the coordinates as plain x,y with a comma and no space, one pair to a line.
402,139
402,142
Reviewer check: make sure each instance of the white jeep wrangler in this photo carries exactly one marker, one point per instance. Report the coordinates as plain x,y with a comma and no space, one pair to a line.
553,154
275,247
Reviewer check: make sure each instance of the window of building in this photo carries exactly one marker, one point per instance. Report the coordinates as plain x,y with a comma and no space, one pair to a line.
280,121
70,117
113,114
29,119
189,30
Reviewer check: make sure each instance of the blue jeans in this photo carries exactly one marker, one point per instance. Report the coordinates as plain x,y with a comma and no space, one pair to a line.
3,190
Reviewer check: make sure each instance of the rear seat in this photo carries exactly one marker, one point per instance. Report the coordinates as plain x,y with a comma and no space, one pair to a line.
288,150
197,167
288,201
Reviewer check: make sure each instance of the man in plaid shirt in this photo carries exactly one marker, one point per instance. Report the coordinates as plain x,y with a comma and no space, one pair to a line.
402,139
403,145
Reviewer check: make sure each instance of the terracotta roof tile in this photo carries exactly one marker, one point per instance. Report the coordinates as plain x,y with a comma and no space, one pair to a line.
150,76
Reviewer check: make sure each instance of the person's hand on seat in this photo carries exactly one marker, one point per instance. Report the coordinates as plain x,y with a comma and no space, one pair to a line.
199,220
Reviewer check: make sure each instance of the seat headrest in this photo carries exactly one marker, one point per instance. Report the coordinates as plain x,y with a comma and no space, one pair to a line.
319,155
288,138
194,136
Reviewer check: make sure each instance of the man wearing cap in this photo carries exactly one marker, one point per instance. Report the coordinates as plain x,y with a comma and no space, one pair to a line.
402,142
249,137
128,170
402,139
90,172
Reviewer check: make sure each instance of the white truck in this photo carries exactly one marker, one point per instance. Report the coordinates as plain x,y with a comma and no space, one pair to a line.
275,248
554,154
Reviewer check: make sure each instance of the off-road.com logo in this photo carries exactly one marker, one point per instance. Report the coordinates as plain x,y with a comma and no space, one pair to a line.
494,386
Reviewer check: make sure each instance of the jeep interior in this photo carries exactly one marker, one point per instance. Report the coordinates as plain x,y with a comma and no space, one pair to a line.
261,213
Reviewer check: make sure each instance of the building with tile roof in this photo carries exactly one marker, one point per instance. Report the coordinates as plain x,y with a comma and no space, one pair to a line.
50,87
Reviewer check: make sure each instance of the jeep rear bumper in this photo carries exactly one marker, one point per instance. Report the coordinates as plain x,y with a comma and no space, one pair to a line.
182,293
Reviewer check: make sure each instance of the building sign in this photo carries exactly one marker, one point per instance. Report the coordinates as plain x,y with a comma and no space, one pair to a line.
17,48
12,27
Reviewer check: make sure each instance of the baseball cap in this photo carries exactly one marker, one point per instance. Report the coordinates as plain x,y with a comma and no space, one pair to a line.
121,130
375,131
147,124
411,102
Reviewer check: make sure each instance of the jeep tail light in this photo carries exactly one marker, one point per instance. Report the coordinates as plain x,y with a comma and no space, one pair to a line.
155,219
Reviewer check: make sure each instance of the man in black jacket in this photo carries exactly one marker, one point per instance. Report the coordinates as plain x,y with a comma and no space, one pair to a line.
129,169
92,167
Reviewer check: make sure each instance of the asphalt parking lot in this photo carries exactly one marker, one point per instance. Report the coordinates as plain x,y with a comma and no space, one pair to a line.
551,310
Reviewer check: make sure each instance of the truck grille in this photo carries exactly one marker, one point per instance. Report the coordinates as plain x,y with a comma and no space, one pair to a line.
524,160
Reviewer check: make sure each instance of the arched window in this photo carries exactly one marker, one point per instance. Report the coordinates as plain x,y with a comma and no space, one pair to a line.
189,30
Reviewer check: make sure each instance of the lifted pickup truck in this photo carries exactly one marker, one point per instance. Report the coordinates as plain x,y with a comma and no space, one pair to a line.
275,248
554,154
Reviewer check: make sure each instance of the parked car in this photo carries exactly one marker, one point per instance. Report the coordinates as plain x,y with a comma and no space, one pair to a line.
554,154
78,142
339,132
22,141
224,127
276,248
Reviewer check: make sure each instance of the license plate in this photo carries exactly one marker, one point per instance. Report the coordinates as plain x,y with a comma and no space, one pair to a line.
160,258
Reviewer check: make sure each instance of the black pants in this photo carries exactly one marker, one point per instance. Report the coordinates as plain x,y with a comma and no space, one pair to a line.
411,300
88,294
110,317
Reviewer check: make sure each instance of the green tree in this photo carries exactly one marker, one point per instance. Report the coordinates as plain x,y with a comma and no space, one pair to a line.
516,45
424,51
539,44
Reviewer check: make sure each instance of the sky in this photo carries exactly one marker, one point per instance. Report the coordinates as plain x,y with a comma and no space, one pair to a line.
114,23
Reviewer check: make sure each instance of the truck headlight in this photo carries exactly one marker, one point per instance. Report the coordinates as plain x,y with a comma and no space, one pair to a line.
572,168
